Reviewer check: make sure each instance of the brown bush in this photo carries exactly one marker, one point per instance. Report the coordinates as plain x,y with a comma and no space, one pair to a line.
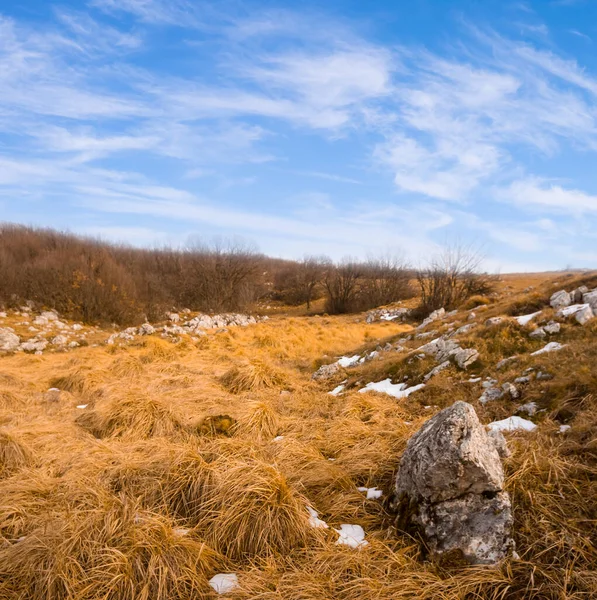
98,282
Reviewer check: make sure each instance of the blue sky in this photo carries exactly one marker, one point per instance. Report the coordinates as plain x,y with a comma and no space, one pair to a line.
338,127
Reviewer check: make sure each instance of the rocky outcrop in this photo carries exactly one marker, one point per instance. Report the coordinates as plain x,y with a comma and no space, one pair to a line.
326,372
450,488
443,349
9,341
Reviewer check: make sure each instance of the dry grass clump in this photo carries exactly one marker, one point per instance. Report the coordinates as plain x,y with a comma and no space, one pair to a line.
252,375
260,421
254,512
14,454
134,417
475,301
111,550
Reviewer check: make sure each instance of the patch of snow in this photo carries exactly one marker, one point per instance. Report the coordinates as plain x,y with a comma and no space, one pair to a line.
564,428
372,493
474,380
397,390
337,390
180,531
223,583
82,406
315,521
278,438
348,361
351,535
512,424
526,319
551,347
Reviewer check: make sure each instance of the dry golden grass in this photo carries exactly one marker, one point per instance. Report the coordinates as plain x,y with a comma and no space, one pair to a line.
197,458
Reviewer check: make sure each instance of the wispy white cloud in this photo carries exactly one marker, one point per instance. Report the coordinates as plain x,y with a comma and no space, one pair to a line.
537,194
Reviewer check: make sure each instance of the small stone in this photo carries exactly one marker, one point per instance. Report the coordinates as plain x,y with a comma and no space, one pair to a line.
552,328
326,372
493,321
491,394
538,333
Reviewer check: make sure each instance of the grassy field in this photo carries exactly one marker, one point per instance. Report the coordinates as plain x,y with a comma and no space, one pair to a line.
157,465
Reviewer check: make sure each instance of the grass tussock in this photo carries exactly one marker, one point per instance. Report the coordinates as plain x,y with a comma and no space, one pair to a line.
254,512
14,454
252,375
260,421
114,551
135,417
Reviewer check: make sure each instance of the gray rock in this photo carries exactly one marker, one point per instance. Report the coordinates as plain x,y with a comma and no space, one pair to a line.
590,298
511,389
437,370
473,526
552,328
493,321
538,333
491,394
9,341
577,294
450,488
560,299
530,408
465,357
499,441
522,380
450,456
326,372
584,315
506,361
544,376
146,329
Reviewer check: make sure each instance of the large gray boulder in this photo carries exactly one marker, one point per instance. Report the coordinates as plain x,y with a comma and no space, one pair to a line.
590,298
9,341
560,299
450,488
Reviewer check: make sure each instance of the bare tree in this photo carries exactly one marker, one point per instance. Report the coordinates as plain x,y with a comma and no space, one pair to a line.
452,277
341,284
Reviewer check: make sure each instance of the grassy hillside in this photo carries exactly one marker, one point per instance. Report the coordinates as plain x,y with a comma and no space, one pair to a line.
141,470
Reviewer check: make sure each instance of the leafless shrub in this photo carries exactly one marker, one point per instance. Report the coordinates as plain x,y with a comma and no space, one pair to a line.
452,277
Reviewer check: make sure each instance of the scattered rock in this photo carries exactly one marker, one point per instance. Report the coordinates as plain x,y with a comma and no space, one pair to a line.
437,370
450,487
465,357
9,341
590,298
530,408
552,328
491,394
506,361
526,319
551,347
560,299
326,372
493,321
538,333
512,390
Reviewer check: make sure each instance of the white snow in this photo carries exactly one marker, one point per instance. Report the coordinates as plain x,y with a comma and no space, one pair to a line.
525,319
352,535
564,428
512,424
315,521
397,390
474,380
372,493
82,405
278,438
223,583
568,311
180,531
389,317
337,390
551,347
348,361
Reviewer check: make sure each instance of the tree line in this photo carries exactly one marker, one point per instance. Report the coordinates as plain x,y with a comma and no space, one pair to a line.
95,281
